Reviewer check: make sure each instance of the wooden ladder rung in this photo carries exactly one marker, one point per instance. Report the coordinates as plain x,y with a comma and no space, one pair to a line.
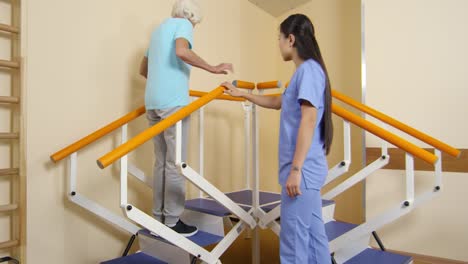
8,28
9,135
9,244
9,64
8,207
9,100
6,172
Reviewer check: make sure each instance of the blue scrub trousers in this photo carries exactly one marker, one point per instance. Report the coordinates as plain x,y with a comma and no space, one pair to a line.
303,239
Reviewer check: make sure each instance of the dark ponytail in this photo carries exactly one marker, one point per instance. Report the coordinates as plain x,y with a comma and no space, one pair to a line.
307,47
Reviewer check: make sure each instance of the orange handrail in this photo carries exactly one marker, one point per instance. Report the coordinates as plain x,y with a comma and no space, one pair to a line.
397,124
243,84
60,155
269,85
82,143
382,133
221,97
149,133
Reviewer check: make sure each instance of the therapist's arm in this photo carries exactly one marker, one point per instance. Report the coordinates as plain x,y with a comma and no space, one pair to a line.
271,102
303,142
144,67
184,52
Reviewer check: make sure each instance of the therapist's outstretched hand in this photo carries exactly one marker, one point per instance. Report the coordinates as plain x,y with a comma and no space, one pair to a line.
223,68
232,90
293,184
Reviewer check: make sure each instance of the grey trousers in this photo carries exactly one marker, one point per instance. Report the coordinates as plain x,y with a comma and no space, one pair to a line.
168,183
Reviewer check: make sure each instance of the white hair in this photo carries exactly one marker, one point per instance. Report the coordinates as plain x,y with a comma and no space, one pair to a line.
188,9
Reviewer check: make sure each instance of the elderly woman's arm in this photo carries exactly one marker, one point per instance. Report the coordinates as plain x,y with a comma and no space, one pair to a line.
184,52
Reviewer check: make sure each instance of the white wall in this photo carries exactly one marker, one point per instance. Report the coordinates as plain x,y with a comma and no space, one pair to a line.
416,54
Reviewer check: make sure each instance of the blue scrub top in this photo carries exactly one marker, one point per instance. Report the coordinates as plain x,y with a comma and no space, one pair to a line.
308,84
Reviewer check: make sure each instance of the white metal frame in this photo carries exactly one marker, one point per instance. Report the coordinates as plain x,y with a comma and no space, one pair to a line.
149,222
246,218
256,183
357,177
356,240
98,210
343,166
344,246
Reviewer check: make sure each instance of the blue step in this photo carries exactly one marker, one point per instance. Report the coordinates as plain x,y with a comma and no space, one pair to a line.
326,203
336,229
138,258
201,238
208,206
372,256
268,201
269,207
245,197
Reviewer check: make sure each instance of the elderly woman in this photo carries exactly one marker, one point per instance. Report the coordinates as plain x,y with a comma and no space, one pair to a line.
167,66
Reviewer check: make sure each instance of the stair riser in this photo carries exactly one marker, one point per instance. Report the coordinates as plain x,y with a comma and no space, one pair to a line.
328,213
163,251
355,247
204,222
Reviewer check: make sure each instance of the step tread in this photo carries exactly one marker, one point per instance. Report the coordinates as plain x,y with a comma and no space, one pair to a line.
269,207
326,203
245,197
268,201
138,258
209,206
336,229
371,256
201,238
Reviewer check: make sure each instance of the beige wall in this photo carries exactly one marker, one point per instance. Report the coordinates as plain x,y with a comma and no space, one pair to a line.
81,72
82,60
416,65
437,228
416,54
338,25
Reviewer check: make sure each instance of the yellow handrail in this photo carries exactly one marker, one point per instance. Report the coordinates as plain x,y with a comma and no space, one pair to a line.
149,133
60,155
397,124
269,85
82,143
221,97
218,94
244,84
382,133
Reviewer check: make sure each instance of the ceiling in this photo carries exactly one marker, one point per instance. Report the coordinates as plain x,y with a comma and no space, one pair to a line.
278,7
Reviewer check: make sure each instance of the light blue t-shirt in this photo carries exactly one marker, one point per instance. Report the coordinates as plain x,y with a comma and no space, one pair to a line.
168,76
308,84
